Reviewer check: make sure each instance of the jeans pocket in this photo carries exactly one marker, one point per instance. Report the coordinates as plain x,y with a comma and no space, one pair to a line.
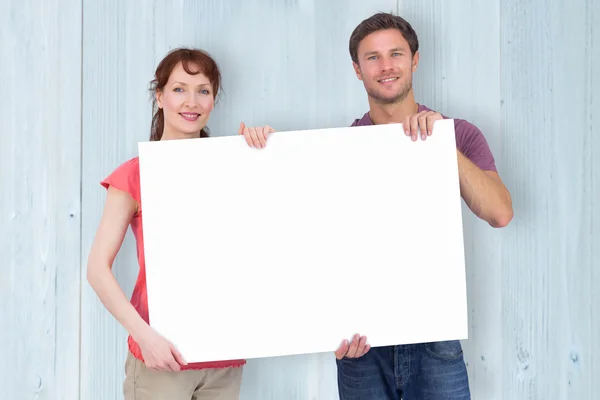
447,350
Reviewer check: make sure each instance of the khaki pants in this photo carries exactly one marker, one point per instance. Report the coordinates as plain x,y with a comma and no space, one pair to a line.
142,383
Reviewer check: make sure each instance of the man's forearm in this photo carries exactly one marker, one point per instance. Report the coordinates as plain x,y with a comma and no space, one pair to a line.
484,193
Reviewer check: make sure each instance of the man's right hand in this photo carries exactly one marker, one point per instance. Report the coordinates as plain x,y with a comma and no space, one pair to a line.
357,348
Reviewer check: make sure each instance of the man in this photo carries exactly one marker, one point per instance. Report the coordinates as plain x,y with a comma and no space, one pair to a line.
384,52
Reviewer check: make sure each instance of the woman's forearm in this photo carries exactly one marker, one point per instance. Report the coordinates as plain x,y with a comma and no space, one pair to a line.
110,294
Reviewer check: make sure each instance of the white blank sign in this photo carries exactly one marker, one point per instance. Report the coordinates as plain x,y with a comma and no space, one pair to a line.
292,248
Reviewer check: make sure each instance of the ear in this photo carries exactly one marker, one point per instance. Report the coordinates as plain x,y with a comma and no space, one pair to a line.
159,98
415,61
357,70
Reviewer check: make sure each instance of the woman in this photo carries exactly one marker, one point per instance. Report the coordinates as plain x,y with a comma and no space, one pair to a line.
185,87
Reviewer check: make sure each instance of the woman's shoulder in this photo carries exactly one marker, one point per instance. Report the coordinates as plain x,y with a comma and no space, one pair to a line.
126,177
133,164
129,167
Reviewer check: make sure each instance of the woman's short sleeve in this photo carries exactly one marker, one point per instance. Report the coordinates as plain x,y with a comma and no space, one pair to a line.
126,177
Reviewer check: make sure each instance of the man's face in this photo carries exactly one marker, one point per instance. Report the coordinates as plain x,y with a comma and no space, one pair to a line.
385,65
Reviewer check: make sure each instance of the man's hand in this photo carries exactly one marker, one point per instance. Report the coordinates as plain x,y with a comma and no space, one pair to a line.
255,137
356,349
422,122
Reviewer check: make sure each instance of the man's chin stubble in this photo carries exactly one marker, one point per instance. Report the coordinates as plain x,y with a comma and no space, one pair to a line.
389,101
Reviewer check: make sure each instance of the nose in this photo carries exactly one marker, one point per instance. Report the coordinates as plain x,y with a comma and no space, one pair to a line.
386,64
192,99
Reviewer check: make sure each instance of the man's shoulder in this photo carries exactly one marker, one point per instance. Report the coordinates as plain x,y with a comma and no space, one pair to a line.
471,141
363,121
465,130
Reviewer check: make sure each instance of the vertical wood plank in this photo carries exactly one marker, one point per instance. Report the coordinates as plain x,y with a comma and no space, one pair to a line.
589,386
551,299
459,76
117,65
40,54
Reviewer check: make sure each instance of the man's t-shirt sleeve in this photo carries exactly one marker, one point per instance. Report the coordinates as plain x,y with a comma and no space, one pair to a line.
471,142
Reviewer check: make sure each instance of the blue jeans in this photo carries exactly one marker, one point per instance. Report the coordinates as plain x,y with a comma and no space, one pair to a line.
424,371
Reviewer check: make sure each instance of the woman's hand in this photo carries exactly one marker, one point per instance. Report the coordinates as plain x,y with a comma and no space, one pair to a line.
256,137
159,354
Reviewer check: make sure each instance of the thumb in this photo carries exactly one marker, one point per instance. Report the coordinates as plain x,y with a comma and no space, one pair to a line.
177,355
241,129
342,350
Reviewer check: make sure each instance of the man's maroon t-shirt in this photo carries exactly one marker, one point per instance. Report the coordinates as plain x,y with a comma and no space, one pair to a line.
469,141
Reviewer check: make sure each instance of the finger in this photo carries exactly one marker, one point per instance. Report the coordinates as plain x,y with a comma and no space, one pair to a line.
177,355
367,348
248,132
406,125
271,130
414,126
172,364
423,125
162,366
353,347
430,120
360,349
241,130
258,136
255,138
342,350
262,136
248,137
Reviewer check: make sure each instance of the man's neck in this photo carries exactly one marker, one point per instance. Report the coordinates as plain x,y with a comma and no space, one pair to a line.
392,113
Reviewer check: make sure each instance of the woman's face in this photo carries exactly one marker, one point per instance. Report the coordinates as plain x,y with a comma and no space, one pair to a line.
187,101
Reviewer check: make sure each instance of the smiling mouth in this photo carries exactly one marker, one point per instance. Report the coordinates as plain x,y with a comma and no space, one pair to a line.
190,116
388,80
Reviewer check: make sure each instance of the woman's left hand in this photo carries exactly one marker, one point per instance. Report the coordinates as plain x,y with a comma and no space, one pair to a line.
256,137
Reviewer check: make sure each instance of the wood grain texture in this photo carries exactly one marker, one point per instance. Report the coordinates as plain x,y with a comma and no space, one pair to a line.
459,76
117,65
285,64
40,53
550,288
76,104
588,308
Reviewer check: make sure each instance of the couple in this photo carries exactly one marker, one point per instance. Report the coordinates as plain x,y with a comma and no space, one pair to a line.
384,52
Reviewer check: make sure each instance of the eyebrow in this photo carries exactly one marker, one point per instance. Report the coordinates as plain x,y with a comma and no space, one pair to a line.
370,53
185,84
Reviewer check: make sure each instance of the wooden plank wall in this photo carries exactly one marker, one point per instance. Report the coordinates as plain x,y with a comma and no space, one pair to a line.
525,72
40,204
452,82
76,105
550,280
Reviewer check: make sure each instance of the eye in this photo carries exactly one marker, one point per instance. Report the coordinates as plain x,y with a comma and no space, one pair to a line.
372,58
397,54
178,90
205,91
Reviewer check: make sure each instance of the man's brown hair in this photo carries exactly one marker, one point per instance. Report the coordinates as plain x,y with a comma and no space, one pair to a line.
382,21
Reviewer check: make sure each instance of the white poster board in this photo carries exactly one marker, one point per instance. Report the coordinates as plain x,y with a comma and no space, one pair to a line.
292,248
